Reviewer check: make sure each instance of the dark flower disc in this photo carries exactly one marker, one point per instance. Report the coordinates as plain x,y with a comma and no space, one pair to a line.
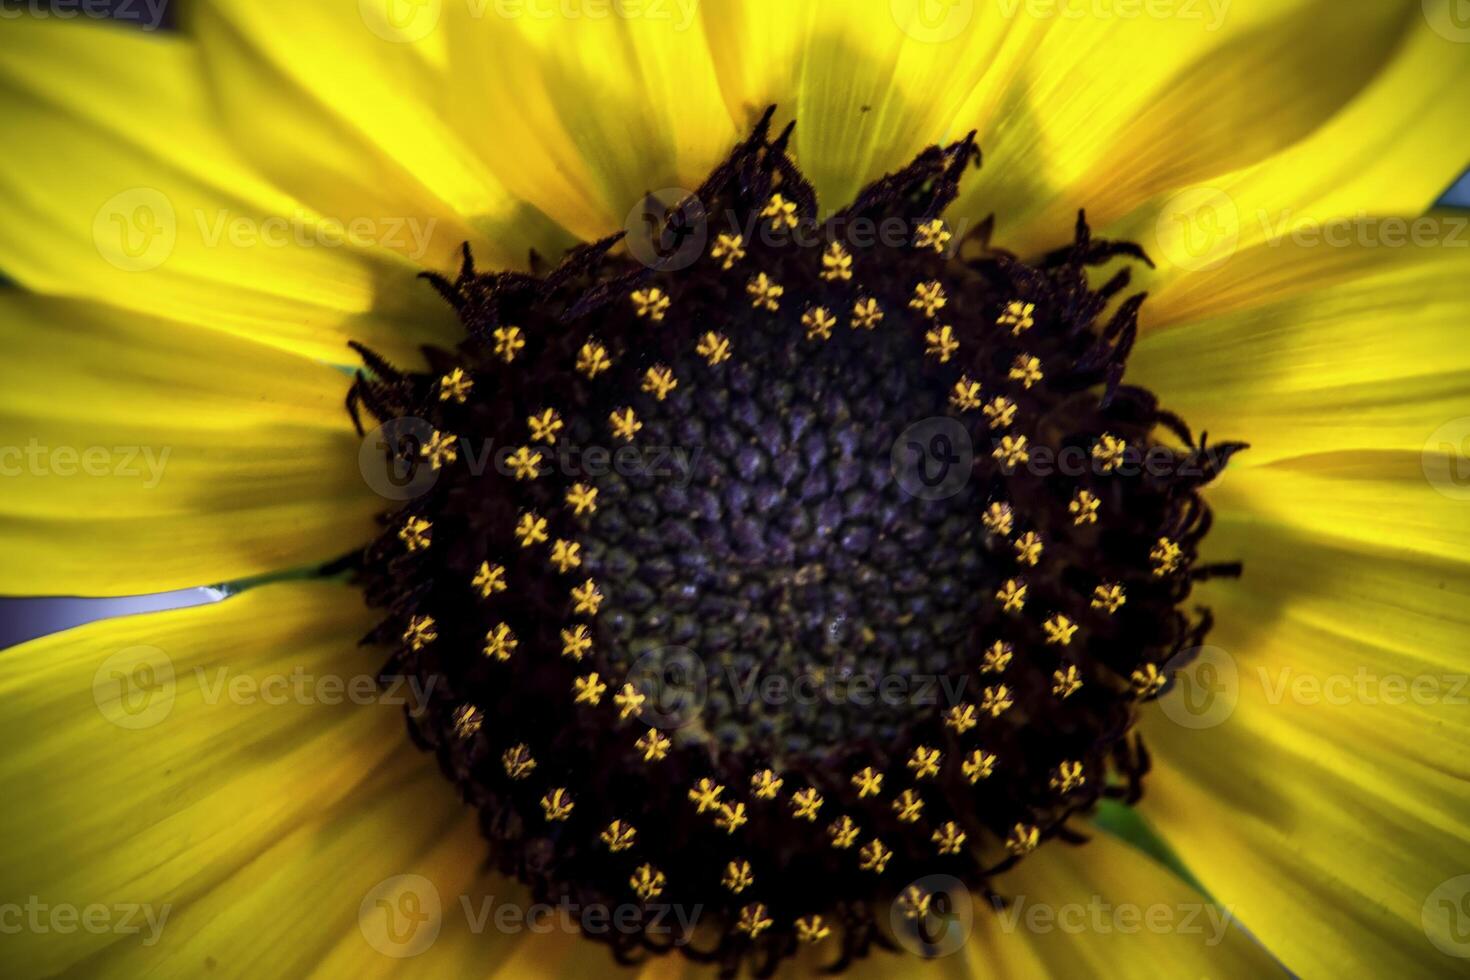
775,563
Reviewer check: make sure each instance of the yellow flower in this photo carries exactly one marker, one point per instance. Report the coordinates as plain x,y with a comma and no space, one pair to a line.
195,225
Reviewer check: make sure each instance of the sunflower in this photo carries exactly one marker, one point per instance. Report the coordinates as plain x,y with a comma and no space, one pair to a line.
638,402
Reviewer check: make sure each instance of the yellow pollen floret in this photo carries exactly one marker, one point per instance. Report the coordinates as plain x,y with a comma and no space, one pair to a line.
489,579
941,344
1000,412
978,765
1109,597
1059,629
589,689
1065,683
1017,317
455,386
1012,452
706,794
587,598
1022,839
811,929
592,359
965,396
765,784
420,632
1012,595
545,426
732,817
415,534
525,463
652,303
738,876
1026,369
557,805
582,499
730,248
874,856
780,212
843,833
999,518
836,263
518,762
996,700
818,323
653,745
713,348
566,555
576,642
805,804
629,701
647,882
925,762
932,235
500,642
508,342
531,529
625,424
1109,452
908,806
619,836
1083,508
929,297
949,837
1067,777
866,314
659,380
467,720
997,657
765,293
753,920
868,781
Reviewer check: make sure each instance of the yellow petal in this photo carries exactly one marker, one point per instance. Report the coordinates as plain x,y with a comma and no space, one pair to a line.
159,755
153,211
1392,503
346,107
1392,150
1314,774
1108,909
1111,112
1327,349
583,115
139,455
869,84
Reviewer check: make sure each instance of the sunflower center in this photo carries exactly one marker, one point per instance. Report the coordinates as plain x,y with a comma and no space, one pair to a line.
781,570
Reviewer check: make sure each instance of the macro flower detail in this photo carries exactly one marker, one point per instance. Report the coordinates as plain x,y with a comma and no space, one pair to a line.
673,470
